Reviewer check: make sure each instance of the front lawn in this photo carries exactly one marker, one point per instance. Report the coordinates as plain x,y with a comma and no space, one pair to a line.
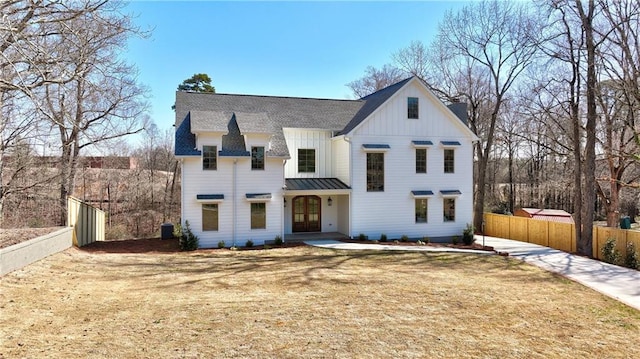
304,302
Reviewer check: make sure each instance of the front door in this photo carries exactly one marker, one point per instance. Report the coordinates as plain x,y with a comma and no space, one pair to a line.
306,214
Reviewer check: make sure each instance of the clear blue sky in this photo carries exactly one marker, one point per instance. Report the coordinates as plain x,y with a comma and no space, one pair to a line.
301,49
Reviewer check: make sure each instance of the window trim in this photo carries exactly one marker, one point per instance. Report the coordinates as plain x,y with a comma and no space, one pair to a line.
453,160
217,222
263,204
314,160
426,153
378,173
444,208
426,210
215,157
410,108
255,159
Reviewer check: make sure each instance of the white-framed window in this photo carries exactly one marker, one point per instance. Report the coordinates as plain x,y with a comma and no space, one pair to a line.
258,215
257,158
306,160
449,160
412,107
449,209
421,210
209,157
421,160
210,217
375,172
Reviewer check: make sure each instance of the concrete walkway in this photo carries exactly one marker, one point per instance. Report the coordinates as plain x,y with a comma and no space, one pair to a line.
617,282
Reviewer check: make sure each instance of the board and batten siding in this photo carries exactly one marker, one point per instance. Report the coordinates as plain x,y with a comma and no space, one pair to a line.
393,211
198,181
341,160
320,140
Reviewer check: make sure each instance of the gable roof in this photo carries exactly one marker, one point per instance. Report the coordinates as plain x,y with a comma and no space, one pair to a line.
270,114
372,102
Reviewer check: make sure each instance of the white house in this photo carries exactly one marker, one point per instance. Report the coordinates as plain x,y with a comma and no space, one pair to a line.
397,162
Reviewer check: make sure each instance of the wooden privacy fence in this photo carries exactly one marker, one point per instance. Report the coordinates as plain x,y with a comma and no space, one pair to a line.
87,221
555,234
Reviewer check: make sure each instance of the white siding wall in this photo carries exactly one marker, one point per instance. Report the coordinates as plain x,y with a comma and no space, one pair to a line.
198,181
319,140
341,160
393,211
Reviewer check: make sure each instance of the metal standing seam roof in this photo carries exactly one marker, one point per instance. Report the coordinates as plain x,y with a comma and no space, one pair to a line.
309,184
375,146
202,197
422,193
450,143
449,192
422,143
258,195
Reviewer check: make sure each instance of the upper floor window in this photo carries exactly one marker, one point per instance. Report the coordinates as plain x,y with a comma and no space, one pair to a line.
257,158
412,107
209,157
306,160
375,172
449,160
421,160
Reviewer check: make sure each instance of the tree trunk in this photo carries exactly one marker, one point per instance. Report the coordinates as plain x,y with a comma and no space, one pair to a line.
585,245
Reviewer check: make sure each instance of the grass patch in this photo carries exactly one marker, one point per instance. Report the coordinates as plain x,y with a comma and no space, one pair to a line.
305,302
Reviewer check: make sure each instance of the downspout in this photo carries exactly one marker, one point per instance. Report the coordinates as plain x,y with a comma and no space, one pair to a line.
348,140
284,187
233,202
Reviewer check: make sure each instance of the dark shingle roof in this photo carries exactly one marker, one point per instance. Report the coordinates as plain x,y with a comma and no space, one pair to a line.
270,114
185,140
304,184
233,142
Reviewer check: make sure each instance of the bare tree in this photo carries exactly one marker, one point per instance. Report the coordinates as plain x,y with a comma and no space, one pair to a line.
102,100
375,79
492,42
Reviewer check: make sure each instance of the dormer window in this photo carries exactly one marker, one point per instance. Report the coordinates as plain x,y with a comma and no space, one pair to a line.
412,107
209,157
257,158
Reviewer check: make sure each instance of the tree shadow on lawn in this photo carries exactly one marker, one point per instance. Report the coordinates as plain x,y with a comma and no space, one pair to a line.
302,266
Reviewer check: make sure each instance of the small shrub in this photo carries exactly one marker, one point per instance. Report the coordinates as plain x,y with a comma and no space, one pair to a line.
249,244
221,244
631,259
278,241
467,235
383,237
455,240
188,240
610,253
177,231
404,238
362,237
425,239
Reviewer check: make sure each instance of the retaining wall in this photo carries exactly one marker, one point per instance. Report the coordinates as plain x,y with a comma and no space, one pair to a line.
25,253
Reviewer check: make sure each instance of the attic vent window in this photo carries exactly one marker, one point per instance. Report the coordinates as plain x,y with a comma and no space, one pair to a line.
412,107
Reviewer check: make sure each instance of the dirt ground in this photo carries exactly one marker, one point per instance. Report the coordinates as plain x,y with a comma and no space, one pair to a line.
144,299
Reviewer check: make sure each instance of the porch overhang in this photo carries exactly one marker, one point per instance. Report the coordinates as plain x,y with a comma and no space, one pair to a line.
327,186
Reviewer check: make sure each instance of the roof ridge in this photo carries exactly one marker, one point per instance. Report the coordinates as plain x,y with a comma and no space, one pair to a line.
271,96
